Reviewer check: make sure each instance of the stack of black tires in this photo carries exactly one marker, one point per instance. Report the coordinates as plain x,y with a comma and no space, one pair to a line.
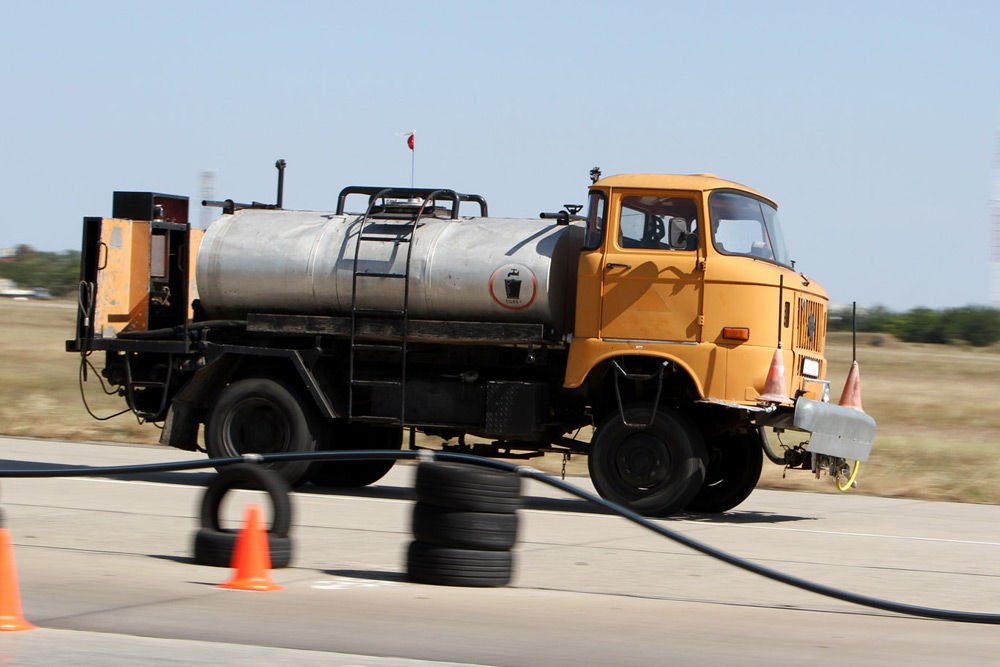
464,525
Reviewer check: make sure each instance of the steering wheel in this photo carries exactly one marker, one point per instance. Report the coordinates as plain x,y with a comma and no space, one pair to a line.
655,231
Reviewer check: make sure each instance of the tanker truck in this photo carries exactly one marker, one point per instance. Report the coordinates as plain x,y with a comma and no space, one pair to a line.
665,334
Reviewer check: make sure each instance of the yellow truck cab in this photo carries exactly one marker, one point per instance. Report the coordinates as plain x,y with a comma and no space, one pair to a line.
688,298
653,281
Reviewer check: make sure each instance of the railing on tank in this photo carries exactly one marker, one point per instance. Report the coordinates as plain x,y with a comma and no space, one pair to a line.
376,192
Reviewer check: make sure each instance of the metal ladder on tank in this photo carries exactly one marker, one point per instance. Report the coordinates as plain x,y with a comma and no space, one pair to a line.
360,344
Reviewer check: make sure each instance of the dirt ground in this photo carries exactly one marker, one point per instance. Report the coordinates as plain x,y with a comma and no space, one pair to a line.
938,407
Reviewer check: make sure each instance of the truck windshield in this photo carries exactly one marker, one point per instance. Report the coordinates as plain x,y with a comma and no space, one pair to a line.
744,225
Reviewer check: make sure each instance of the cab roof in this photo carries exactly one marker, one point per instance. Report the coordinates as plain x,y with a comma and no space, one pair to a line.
698,182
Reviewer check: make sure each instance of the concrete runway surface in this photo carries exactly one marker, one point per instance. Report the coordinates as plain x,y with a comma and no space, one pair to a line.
105,573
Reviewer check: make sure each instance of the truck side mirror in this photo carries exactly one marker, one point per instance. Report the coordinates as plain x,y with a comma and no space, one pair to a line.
678,233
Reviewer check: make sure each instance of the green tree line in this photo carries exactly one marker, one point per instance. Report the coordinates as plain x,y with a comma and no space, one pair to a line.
972,325
58,272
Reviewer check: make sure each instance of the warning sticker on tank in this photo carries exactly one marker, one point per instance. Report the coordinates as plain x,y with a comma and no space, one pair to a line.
513,286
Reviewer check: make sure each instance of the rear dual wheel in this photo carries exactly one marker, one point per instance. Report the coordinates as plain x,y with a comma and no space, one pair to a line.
266,416
262,416
342,436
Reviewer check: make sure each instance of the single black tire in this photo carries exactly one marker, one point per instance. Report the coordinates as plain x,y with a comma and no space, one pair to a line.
248,476
216,547
262,416
447,566
460,486
491,531
655,470
352,474
734,465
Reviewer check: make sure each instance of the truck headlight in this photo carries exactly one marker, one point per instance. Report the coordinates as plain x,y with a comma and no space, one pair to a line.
810,367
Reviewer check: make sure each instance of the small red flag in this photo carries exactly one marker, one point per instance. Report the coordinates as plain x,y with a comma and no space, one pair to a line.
409,139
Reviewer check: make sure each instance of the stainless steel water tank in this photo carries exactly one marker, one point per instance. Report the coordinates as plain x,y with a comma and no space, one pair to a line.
472,269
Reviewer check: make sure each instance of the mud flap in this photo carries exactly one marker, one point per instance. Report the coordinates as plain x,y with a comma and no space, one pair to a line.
180,429
836,431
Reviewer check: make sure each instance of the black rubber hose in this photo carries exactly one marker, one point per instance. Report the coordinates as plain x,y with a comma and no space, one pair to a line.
97,471
174,332
531,473
887,605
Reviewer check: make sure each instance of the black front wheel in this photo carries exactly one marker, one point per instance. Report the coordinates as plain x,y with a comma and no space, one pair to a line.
261,416
654,470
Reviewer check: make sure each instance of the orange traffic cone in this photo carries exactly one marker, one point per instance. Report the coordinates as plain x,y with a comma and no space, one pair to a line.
774,386
851,396
251,557
11,617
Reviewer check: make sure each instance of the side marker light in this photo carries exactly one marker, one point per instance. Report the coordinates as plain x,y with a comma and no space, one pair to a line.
736,333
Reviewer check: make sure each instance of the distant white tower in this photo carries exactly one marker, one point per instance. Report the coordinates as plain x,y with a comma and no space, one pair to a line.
207,193
995,241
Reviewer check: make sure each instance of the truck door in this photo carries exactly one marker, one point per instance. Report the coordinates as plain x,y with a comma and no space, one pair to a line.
652,283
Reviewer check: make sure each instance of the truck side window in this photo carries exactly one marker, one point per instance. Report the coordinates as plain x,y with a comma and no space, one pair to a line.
660,223
595,221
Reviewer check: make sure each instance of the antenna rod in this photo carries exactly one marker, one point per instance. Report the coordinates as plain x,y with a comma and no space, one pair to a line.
854,331
781,304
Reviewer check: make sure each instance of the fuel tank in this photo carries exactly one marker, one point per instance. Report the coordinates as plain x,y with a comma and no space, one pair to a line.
466,269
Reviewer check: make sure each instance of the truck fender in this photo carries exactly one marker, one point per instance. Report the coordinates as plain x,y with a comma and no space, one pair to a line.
191,404
296,358
680,381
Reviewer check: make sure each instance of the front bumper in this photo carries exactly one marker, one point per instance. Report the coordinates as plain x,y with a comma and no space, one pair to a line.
835,430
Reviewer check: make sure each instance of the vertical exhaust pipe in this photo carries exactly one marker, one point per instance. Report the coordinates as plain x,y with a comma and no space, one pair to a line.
280,166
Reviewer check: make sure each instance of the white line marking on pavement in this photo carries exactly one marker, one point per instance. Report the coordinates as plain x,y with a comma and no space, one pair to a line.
309,496
345,584
848,534
702,524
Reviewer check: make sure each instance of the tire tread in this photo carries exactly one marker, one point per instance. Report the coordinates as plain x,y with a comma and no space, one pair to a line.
216,547
461,486
446,566
491,531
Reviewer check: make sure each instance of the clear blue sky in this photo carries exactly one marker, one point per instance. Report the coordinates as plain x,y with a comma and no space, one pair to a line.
873,124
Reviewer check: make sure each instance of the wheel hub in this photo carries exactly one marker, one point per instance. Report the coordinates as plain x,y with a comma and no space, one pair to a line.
643,461
256,426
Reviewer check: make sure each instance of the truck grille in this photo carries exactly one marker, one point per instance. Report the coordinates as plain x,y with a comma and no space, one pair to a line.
811,329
